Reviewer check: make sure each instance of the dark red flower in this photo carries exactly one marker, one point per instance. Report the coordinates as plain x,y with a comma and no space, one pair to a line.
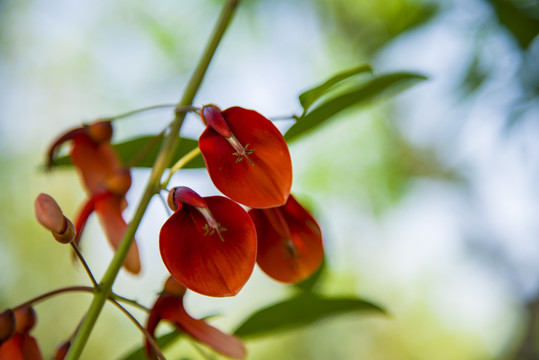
105,179
208,244
21,345
169,307
246,156
109,206
289,242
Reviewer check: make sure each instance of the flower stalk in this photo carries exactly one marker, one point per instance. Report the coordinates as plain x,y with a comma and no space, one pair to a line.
163,160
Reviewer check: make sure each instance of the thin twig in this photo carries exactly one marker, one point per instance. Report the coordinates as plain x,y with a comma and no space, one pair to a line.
141,328
84,264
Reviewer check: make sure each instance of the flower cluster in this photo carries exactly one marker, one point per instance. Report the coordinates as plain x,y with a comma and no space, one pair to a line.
105,179
210,244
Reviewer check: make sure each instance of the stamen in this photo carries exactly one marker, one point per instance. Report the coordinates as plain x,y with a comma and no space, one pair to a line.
241,152
212,226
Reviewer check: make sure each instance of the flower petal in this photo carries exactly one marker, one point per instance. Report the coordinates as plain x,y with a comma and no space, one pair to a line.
289,242
109,210
20,347
265,177
221,342
171,308
95,162
200,259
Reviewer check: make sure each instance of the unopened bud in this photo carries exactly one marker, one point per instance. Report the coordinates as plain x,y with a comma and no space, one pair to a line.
26,319
7,325
100,131
68,235
120,182
49,214
61,351
173,287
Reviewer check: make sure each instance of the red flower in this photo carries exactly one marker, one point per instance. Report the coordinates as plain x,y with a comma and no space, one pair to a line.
21,345
246,156
105,179
208,244
169,306
289,242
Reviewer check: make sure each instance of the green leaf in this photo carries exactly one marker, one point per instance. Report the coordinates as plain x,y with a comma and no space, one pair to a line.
355,96
310,96
299,311
149,147
163,341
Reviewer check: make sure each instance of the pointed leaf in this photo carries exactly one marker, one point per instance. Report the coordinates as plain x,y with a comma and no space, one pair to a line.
163,341
300,311
150,145
356,96
310,96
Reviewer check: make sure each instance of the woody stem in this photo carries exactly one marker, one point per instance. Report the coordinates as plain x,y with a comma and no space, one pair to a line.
162,162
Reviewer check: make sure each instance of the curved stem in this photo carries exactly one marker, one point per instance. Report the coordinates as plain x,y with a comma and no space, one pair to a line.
136,111
148,336
180,164
88,289
53,293
131,302
84,264
162,162
285,117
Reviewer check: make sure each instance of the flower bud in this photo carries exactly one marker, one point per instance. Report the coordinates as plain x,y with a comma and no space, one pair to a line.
7,325
68,235
49,214
100,131
26,319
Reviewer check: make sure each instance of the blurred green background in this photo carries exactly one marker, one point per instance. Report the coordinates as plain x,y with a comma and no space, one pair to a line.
428,201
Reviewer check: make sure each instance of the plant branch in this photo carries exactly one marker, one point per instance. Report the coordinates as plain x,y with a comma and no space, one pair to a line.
180,164
162,162
141,328
136,111
84,264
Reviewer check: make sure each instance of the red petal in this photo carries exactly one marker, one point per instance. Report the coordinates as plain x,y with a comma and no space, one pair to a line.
205,263
20,347
95,162
109,210
289,242
171,308
153,320
264,183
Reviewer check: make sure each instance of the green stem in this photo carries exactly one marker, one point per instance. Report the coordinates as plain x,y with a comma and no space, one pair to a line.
136,111
162,162
180,164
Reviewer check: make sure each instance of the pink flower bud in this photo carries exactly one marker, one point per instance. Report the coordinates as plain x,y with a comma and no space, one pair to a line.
49,214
